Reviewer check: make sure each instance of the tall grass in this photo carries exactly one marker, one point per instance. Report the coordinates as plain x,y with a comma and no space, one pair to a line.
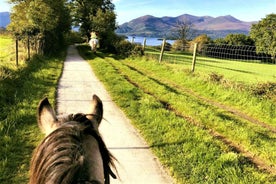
161,102
6,49
20,91
8,52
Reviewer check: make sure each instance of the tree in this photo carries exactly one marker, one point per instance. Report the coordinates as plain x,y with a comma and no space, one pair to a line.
264,35
43,20
238,39
96,15
201,41
20,25
104,24
220,41
184,32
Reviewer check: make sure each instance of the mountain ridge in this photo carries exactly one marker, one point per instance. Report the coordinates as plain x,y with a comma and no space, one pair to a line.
214,27
151,26
4,19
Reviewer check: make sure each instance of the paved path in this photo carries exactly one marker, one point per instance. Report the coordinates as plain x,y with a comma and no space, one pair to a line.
78,83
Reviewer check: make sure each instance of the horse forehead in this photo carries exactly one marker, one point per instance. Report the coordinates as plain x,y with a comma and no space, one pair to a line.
62,118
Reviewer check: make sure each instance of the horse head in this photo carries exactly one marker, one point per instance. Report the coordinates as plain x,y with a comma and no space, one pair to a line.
72,150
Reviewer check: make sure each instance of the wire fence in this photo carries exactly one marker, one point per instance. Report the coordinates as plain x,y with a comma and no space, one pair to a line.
232,60
243,53
14,52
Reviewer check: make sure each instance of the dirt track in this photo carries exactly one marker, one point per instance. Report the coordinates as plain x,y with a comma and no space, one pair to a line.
136,162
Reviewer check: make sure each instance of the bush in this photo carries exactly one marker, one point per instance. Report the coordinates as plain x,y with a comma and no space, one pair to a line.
179,46
214,77
265,90
74,37
137,50
125,48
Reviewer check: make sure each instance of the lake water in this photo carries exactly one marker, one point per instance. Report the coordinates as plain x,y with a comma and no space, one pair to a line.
149,41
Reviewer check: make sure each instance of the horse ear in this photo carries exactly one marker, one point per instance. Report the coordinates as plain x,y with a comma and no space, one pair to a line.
46,117
96,110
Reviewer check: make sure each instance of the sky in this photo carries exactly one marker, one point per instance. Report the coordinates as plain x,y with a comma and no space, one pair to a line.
245,10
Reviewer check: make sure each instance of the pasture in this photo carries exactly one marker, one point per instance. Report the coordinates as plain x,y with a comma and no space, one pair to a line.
8,52
20,91
247,72
203,131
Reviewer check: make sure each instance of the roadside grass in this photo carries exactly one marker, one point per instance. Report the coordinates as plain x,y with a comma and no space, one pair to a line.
185,82
20,92
180,128
238,130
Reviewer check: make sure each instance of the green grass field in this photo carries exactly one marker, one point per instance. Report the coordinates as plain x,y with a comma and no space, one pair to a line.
5,49
235,71
8,54
202,131
21,88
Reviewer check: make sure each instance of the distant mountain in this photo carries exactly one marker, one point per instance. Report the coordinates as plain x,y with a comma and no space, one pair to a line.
4,19
164,27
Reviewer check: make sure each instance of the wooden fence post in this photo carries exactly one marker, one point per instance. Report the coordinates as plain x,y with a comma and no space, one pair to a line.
28,47
162,50
194,57
144,44
16,51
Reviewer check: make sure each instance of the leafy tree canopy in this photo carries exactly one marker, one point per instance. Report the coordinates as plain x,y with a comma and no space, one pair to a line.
235,39
96,15
238,39
46,20
201,40
264,35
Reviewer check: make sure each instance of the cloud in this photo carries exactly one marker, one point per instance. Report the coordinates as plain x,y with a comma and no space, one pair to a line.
116,1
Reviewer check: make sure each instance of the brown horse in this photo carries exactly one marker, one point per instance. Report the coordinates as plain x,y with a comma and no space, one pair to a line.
73,150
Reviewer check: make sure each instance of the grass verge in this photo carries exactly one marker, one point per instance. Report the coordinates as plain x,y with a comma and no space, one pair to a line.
186,146
20,91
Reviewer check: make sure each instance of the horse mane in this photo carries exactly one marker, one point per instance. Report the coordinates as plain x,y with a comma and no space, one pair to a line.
60,158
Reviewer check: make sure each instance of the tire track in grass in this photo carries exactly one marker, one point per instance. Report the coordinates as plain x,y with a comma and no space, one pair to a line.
255,160
190,92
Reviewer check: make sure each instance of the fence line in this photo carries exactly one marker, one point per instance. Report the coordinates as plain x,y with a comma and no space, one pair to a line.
243,53
235,52
17,51
232,52
231,60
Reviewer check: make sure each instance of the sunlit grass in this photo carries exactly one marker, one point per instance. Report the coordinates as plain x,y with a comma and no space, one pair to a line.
177,125
212,117
8,52
236,71
230,94
20,91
